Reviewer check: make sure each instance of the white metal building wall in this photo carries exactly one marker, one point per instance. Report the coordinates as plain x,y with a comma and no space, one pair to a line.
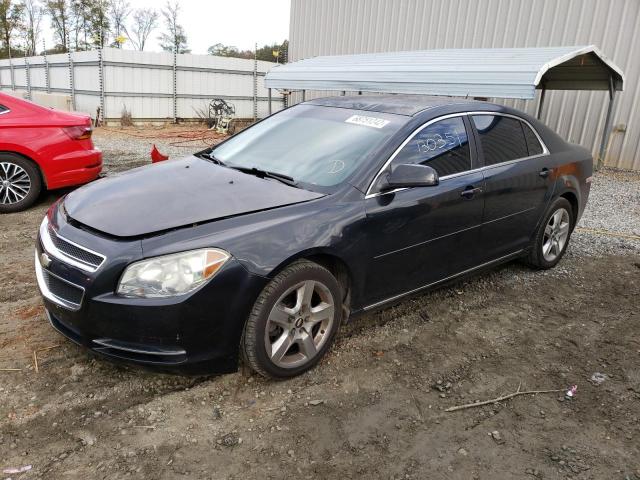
142,82
332,27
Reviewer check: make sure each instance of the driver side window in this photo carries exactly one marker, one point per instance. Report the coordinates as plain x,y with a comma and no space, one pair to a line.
443,145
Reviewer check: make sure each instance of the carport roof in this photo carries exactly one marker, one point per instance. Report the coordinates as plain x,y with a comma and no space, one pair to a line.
484,72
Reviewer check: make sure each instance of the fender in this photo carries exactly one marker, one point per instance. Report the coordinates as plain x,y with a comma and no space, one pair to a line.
26,152
354,271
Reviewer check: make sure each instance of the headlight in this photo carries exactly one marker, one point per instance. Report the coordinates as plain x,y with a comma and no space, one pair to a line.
171,275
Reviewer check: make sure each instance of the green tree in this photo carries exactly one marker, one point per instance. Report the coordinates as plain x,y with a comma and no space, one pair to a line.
60,14
265,53
221,50
119,11
90,21
99,24
11,23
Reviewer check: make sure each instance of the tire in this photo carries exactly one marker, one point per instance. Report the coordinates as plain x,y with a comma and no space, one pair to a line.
20,183
281,317
552,236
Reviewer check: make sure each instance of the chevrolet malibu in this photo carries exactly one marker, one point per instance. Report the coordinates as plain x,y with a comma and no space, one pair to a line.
262,246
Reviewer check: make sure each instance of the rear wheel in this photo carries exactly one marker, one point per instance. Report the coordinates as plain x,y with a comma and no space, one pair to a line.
293,322
552,236
20,183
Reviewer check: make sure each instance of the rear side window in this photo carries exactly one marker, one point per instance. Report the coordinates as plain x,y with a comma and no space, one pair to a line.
501,138
3,109
533,144
443,145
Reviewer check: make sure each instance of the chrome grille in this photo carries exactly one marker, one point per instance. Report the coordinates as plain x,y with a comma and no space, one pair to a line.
63,290
58,290
67,251
75,251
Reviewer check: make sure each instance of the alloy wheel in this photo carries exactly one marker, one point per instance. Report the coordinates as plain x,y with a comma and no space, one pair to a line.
15,183
299,324
556,234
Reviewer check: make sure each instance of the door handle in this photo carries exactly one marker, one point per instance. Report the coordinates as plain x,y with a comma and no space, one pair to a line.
470,191
545,172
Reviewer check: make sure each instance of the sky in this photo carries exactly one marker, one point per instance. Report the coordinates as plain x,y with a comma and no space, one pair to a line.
240,23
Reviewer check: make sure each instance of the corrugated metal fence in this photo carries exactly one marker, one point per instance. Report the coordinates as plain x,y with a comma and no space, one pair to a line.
151,86
333,27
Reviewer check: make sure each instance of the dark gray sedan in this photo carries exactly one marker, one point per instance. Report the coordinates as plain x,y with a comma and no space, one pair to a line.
264,244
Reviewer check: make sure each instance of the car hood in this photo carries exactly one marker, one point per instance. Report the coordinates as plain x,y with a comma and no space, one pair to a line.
173,194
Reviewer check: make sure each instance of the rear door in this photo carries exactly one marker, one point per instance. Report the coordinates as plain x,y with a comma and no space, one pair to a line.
518,182
421,235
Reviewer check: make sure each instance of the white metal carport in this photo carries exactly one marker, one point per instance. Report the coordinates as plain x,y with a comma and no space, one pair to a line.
493,72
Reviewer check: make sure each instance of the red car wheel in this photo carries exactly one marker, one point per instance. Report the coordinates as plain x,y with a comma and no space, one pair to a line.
20,183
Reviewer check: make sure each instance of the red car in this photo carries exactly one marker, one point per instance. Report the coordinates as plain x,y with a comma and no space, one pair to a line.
42,148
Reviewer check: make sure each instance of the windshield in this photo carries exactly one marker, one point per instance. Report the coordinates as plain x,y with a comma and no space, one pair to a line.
317,146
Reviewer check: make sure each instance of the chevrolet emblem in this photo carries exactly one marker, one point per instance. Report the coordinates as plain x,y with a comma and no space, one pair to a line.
45,260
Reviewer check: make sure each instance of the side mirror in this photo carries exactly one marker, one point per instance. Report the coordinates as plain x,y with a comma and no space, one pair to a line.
411,175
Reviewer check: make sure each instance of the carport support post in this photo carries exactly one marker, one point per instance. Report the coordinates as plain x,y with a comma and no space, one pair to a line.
604,143
541,103
269,101
304,95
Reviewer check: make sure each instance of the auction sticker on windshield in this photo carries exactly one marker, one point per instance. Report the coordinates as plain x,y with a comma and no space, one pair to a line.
367,121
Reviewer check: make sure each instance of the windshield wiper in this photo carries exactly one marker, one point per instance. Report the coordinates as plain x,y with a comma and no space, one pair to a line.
281,177
212,157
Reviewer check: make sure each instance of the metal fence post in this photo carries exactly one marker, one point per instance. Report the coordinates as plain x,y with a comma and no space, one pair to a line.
47,80
101,85
72,87
27,74
175,85
255,83
13,78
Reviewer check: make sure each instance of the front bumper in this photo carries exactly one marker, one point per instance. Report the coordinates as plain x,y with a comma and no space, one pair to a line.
198,333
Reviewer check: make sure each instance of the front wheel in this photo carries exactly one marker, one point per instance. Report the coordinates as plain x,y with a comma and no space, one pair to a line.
293,322
552,237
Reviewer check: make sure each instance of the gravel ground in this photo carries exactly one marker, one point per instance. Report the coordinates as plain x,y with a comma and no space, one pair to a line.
375,406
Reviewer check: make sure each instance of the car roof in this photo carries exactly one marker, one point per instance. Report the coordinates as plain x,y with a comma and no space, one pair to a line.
408,105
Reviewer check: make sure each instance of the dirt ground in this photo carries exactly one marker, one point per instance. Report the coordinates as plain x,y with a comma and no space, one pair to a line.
374,408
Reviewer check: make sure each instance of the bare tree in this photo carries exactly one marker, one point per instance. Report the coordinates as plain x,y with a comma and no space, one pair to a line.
144,22
11,22
59,12
119,11
174,38
32,30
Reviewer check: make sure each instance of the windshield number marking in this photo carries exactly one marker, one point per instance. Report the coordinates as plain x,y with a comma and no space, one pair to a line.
367,121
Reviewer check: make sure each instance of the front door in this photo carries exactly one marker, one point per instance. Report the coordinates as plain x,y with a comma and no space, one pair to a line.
421,235
518,183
